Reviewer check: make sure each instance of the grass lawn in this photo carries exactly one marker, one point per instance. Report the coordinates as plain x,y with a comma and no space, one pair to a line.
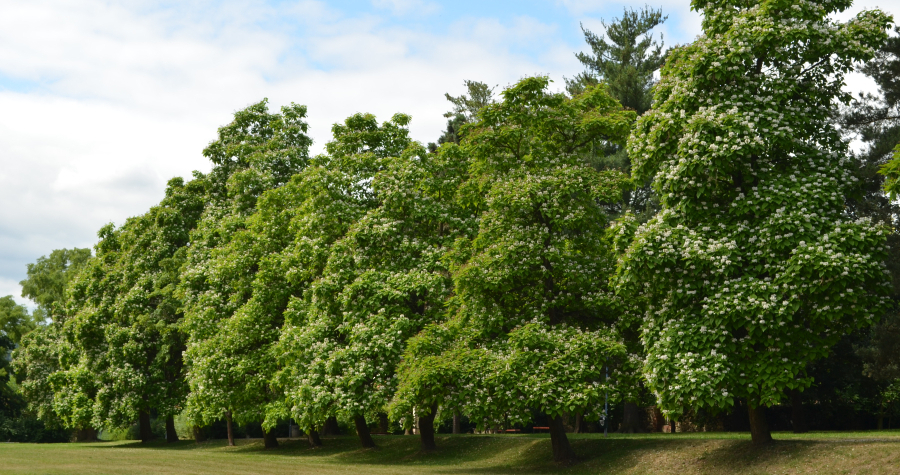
702,453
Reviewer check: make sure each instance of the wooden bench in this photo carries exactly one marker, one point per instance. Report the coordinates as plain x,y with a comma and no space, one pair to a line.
513,430
541,428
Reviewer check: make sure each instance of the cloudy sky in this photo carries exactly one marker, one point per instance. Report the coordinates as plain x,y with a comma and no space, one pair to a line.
102,101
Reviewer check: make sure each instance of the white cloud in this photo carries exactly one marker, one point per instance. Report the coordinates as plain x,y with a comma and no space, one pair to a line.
106,102
405,7
102,102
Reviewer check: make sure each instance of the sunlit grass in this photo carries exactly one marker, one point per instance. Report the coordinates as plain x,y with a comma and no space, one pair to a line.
685,453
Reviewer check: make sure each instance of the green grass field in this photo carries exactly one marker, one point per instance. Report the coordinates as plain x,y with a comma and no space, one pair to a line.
701,453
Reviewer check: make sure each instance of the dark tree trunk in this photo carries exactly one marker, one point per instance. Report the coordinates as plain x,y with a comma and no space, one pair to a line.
579,423
230,426
270,440
426,430
383,423
313,436
362,430
331,427
658,421
633,422
144,426
759,426
798,417
88,434
562,451
171,434
457,429
199,435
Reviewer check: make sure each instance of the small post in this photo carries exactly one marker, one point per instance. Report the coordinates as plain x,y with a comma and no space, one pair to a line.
606,407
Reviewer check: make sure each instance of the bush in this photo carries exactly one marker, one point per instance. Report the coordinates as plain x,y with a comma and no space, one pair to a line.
27,428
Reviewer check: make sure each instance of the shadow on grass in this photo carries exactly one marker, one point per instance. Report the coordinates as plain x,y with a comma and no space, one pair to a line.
526,454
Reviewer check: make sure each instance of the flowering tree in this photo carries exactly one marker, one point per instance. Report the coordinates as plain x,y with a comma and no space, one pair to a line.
327,202
532,308
383,282
751,270
300,222
120,354
257,151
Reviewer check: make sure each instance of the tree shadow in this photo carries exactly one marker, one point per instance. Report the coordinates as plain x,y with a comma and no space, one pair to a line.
532,454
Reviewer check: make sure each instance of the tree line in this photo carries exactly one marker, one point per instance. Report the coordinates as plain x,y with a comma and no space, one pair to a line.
700,243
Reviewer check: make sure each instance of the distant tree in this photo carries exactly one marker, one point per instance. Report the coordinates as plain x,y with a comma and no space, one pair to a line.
752,269
465,110
37,356
874,119
48,277
34,361
15,322
627,62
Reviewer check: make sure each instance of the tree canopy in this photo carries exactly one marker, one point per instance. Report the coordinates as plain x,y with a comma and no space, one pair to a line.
752,270
519,270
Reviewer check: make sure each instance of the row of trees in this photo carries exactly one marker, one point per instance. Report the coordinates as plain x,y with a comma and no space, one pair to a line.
482,276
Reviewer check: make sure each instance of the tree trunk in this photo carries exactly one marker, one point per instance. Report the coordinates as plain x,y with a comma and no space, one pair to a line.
88,434
144,426
331,427
562,451
633,422
313,436
383,423
199,435
579,423
798,417
171,434
270,440
426,430
362,430
658,421
759,426
457,429
230,426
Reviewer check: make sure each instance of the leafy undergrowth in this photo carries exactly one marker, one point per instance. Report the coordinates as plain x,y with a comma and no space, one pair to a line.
710,453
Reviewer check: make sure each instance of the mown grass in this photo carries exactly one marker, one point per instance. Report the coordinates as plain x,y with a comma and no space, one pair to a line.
698,453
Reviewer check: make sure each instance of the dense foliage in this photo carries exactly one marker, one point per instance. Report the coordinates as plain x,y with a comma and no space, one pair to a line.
511,272
752,270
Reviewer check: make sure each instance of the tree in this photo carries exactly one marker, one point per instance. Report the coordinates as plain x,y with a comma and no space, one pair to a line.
874,119
122,353
386,280
14,323
752,269
465,110
14,320
37,355
530,294
627,62
256,152
48,277
327,202
34,361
